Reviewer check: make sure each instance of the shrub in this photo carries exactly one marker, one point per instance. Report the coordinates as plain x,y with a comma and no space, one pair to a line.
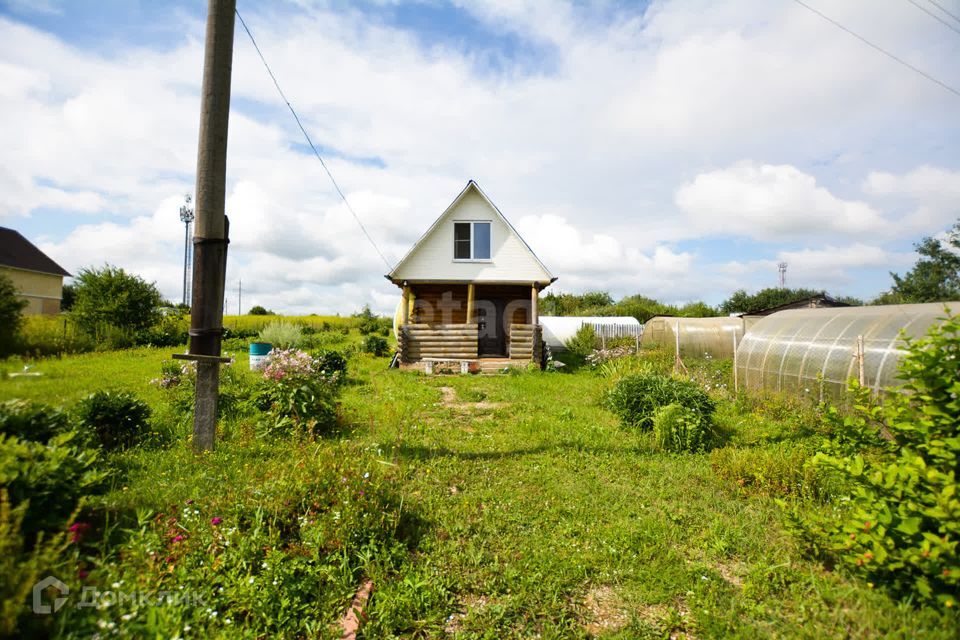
679,429
119,419
377,345
635,398
330,362
298,396
11,314
583,342
170,331
282,335
900,526
53,476
32,421
111,297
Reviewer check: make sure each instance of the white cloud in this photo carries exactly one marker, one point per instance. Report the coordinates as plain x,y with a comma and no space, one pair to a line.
772,202
586,143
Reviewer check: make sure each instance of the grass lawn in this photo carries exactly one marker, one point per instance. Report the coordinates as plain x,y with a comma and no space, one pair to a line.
537,514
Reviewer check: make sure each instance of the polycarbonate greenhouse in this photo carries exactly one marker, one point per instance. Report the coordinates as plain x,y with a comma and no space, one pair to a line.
699,337
790,350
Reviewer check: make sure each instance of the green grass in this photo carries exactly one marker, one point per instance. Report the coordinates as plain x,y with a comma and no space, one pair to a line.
538,514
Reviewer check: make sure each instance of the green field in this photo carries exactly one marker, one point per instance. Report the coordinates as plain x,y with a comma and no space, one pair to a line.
529,511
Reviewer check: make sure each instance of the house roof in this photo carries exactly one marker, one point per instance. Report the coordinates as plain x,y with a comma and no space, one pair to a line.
19,253
471,186
815,301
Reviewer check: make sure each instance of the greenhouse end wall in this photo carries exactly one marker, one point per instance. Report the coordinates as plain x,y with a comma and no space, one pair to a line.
815,351
699,337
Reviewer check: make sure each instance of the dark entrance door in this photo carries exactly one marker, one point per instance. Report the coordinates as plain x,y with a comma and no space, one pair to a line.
491,329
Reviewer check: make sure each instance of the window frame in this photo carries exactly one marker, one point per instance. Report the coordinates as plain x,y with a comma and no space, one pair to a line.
473,235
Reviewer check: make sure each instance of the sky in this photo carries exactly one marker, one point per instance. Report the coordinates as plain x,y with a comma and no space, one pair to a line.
677,149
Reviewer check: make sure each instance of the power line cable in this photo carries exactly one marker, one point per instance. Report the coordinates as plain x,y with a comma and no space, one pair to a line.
942,8
310,142
880,49
933,15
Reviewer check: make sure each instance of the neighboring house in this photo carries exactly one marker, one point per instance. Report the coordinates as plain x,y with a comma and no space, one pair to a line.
818,301
34,273
470,288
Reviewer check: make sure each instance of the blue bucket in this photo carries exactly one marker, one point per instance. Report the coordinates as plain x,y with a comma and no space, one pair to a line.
260,348
259,354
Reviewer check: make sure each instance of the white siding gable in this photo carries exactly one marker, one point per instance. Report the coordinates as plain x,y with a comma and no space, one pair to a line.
431,259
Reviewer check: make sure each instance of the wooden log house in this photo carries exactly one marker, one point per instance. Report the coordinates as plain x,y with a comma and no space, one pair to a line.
470,289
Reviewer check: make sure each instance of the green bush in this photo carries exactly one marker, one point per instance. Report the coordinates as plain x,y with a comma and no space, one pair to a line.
900,522
679,429
297,395
32,421
11,314
583,342
51,477
282,335
330,362
112,298
119,419
377,345
635,398
170,331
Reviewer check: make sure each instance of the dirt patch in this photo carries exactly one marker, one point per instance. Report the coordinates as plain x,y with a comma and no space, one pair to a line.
604,611
449,399
466,604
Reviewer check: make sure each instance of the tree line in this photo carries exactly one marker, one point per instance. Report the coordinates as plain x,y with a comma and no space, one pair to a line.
934,278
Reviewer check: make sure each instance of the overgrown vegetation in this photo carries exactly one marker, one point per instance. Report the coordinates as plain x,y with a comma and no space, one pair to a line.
533,513
900,527
636,398
11,315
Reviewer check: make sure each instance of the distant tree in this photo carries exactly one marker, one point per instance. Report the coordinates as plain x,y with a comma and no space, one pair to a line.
257,310
112,297
936,275
850,300
67,296
698,310
743,302
11,314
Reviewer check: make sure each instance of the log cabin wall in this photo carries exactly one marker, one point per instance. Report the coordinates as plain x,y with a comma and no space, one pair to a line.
526,342
446,341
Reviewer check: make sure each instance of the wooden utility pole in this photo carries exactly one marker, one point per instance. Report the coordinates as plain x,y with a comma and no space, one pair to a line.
211,228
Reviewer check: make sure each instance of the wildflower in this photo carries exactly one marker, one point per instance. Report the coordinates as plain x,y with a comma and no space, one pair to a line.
77,531
179,538
216,520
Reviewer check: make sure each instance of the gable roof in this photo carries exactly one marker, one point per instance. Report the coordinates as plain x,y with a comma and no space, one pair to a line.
19,253
471,187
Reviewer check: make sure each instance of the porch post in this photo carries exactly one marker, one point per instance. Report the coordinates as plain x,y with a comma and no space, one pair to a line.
411,304
469,303
405,306
534,299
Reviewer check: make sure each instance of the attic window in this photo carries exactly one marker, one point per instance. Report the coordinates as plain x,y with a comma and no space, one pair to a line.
471,241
